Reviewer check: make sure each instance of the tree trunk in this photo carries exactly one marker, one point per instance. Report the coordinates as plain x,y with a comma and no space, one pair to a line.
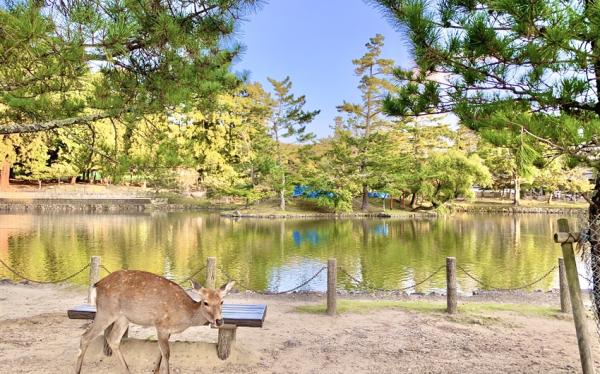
413,201
281,199
73,180
594,222
5,175
365,199
550,197
517,199
282,193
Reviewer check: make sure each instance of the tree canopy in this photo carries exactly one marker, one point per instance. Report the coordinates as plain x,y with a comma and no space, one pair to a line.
74,62
508,68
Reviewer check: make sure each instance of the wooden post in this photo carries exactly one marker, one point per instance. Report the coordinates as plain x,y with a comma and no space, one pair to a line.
226,340
331,283
451,285
583,339
565,304
94,275
211,272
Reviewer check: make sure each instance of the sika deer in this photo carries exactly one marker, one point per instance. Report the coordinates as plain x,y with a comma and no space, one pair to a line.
149,300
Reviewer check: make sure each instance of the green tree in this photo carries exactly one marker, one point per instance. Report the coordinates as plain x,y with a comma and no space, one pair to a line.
530,68
288,119
452,174
365,122
69,63
557,175
522,152
418,140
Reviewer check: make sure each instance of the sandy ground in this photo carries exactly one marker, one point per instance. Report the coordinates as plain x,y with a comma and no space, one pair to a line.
37,337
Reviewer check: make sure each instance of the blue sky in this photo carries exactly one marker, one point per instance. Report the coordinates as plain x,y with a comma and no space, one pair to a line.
314,42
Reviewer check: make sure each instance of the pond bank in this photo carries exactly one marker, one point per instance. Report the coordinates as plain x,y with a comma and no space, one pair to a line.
283,215
510,209
37,337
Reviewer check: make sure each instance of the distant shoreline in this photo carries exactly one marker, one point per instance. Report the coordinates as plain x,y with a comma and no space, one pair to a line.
136,201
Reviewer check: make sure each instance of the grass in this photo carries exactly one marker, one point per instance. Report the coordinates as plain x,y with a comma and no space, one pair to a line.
476,308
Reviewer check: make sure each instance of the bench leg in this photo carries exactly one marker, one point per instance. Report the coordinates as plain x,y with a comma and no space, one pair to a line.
226,340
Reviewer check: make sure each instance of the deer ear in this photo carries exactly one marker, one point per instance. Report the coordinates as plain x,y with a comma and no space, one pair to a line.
226,288
195,285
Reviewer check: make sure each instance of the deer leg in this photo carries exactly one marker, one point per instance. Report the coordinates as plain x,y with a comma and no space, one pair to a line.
107,331
114,340
165,353
96,329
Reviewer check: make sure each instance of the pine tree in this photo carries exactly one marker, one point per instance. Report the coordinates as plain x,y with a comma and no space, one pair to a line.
364,120
524,67
75,62
288,119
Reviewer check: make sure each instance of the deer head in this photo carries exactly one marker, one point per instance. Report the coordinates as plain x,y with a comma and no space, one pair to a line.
211,301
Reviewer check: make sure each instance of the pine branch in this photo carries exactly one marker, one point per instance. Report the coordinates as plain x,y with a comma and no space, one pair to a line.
15,128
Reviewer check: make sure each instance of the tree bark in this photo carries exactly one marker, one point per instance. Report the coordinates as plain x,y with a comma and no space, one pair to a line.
594,223
413,201
5,175
282,193
550,197
365,198
517,199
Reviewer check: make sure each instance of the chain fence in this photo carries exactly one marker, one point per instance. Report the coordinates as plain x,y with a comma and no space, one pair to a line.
246,287
361,284
489,287
358,283
19,275
194,275
588,250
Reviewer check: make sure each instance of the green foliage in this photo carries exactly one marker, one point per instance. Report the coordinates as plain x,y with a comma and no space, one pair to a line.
135,51
452,174
288,120
512,67
365,130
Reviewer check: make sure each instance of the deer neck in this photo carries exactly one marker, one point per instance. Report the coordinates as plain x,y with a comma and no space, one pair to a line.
197,319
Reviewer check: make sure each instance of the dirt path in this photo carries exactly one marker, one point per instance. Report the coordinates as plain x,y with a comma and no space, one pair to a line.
36,337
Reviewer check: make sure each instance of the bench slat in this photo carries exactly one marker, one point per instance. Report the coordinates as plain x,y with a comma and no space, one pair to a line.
241,315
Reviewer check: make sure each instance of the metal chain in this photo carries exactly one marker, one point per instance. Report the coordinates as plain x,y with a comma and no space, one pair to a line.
586,278
44,282
489,288
369,287
193,275
272,293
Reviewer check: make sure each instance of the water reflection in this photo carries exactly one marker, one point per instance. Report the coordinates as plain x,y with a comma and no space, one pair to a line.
274,255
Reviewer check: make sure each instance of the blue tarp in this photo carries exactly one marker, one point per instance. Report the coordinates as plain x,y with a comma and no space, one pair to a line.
379,195
308,192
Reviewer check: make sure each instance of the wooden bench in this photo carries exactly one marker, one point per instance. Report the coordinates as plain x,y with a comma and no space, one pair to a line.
234,316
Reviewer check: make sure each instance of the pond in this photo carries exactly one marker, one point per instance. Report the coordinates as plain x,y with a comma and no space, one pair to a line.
274,255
